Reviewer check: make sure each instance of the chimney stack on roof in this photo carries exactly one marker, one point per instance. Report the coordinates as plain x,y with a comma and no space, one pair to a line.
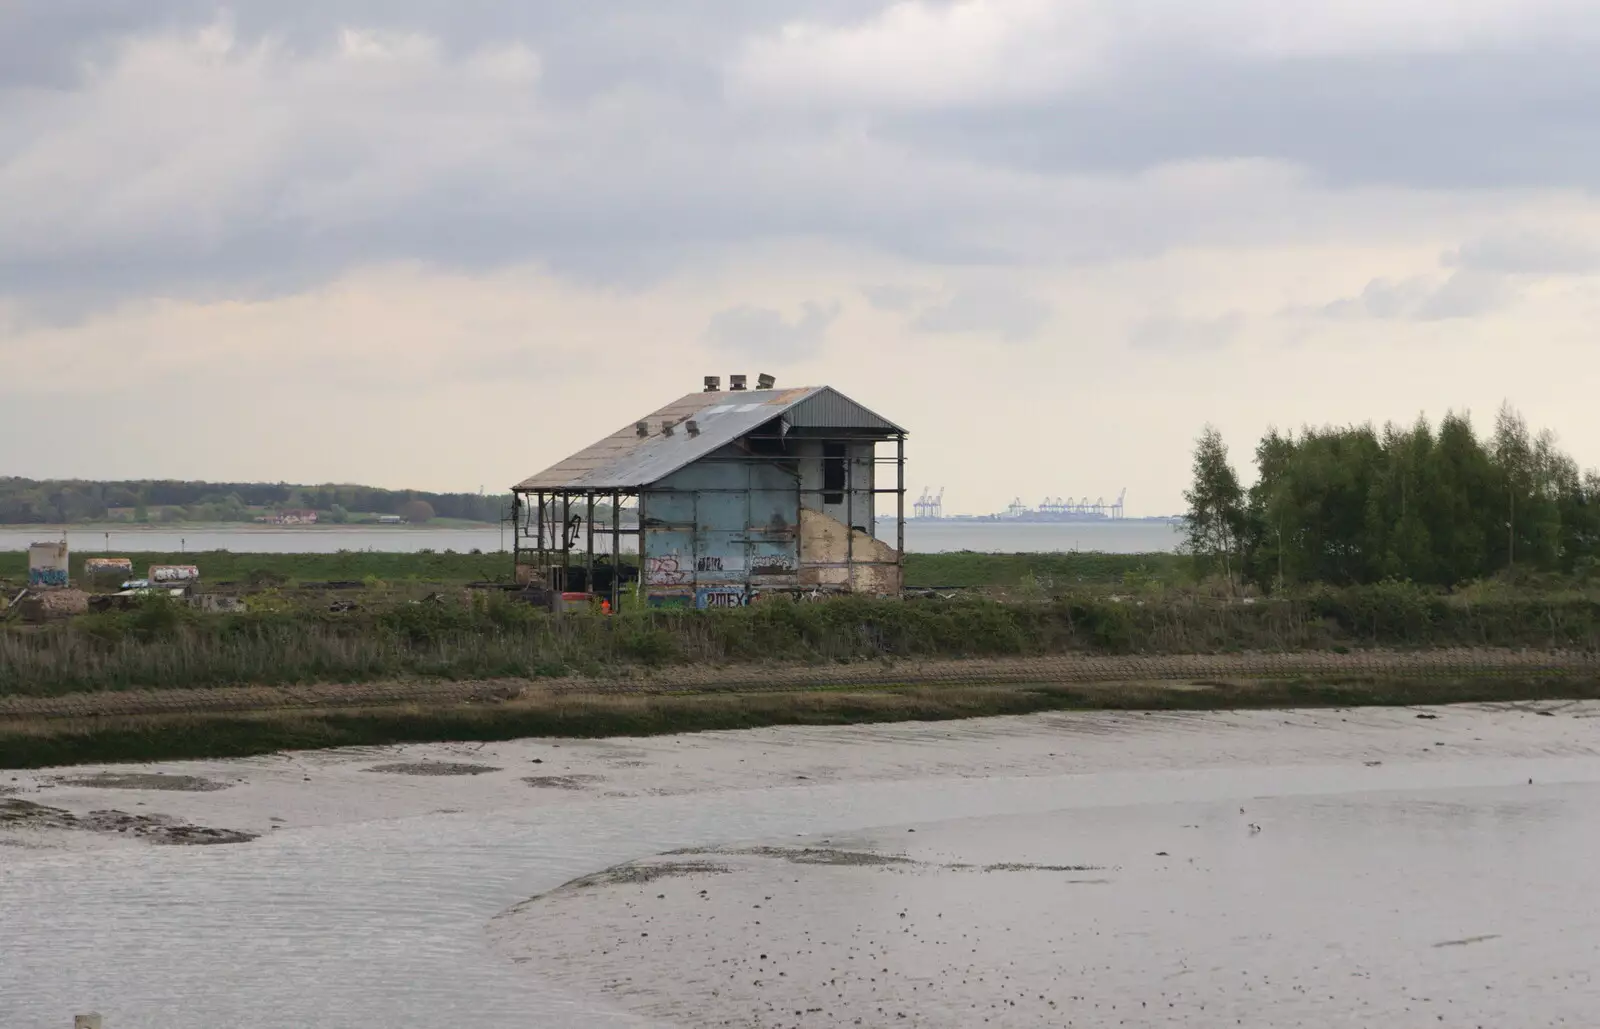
765,381
692,426
736,382
713,384
642,429
666,428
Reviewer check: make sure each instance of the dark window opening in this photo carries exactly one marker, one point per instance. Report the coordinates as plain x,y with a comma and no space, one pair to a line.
833,473
765,446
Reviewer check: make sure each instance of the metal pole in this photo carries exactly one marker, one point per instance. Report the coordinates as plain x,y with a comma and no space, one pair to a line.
588,528
849,520
640,595
539,561
900,504
616,550
566,548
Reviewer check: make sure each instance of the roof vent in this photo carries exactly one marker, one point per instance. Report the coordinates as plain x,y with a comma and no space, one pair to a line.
713,384
765,381
736,382
692,426
642,429
666,428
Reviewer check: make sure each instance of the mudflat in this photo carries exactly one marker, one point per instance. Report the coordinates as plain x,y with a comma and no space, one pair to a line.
1394,866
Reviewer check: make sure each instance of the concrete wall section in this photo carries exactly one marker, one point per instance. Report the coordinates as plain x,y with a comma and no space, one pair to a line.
856,504
834,557
47,564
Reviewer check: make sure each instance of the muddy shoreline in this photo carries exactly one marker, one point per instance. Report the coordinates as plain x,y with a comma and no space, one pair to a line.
486,875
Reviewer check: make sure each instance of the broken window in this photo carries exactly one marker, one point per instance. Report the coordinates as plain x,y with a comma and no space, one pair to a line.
833,476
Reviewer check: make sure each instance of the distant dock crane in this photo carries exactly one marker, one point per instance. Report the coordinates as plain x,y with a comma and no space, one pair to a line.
1069,508
929,505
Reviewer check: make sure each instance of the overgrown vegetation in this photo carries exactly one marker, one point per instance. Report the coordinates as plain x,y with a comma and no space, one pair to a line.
1356,505
163,644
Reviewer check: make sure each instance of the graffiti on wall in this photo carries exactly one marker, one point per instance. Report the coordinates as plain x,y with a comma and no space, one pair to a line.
772,564
174,573
666,600
666,570
719,596
47,564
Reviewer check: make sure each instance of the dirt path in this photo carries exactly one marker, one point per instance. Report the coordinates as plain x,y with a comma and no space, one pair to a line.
1076,669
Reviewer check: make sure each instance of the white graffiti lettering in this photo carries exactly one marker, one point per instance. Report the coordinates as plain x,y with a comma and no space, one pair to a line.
666,570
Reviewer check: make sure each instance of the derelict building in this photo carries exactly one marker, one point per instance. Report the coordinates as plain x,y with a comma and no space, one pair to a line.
731,495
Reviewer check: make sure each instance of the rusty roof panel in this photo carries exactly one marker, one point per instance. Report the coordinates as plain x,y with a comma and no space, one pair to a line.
624,460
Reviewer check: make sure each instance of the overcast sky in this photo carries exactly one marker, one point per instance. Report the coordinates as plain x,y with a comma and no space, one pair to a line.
441,245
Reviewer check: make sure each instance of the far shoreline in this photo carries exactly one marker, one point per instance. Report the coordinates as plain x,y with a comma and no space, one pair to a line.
246,527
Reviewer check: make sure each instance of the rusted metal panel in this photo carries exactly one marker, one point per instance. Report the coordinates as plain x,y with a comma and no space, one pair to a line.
625,460
668,522
108,566
721,522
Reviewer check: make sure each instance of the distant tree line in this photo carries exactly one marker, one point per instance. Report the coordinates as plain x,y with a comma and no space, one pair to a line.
50,502
1359,505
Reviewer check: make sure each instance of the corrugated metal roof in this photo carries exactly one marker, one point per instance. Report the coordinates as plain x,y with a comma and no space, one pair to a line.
829,409
624,460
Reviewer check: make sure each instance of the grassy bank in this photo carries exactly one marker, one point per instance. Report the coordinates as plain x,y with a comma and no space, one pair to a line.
1047,572
963,569
44,743
487,636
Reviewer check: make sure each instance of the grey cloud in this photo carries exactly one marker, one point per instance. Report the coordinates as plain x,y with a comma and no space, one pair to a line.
1526,253
1464,294
1467,295
1381,298
629,153
889,297
1506,117
764,332
1166,332
997,310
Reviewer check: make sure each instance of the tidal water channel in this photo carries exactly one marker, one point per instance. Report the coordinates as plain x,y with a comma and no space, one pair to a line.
1387,868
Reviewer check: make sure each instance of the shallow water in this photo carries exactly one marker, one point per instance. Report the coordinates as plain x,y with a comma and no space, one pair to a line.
370,906
927,536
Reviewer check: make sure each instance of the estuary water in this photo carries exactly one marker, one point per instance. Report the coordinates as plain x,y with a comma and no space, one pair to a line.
1390,868
1115,537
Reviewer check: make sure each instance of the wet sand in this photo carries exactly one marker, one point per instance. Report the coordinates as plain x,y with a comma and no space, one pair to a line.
1392,909
1391,867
